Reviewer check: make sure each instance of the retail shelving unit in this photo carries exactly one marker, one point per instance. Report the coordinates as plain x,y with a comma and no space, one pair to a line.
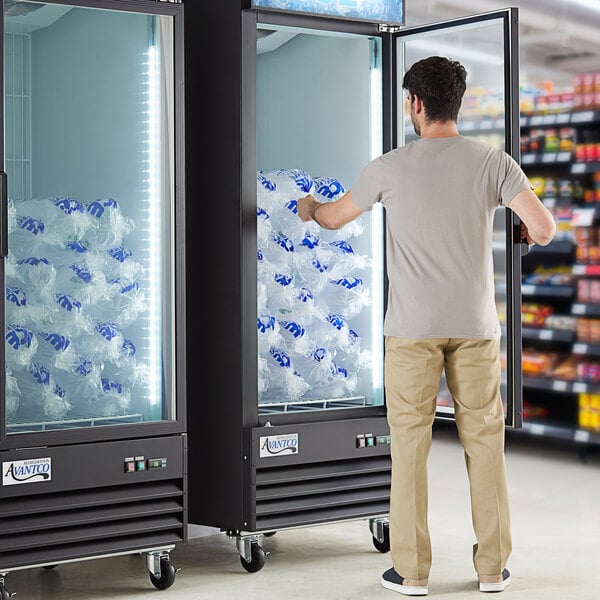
561,381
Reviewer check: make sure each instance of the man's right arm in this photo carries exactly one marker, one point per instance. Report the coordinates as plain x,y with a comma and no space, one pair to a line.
329,215
539,221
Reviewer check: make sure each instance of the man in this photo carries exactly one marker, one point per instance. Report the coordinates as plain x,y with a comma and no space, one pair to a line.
440,193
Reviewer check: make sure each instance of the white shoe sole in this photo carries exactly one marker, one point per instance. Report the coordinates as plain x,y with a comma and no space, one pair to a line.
495,587
407,590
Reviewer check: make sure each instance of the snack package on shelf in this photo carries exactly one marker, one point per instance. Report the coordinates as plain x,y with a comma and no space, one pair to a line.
566,369
586,90
588,330
588,371
559,275
533,412
583,290
539,363
535,315
562,322
589,411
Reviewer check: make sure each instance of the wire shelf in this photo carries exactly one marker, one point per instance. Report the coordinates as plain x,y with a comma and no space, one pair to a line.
311,405
73,423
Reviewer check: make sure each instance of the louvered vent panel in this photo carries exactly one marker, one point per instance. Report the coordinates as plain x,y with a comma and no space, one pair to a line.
295,495
63,526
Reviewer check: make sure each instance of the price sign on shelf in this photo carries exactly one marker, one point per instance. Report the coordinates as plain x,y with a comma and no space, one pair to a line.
582,116
582,436
537,429
582,217
559,386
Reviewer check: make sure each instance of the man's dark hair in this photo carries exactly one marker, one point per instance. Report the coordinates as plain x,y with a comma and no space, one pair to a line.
440,83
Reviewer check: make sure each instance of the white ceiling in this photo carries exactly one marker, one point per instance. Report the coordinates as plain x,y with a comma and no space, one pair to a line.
557,38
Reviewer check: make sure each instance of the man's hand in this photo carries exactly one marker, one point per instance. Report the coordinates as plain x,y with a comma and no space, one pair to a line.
306,207
525,234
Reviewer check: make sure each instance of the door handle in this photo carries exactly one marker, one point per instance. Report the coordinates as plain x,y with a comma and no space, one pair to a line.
3,214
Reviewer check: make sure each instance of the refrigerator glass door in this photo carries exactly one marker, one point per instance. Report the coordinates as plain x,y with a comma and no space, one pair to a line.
486,45
89,143
319,292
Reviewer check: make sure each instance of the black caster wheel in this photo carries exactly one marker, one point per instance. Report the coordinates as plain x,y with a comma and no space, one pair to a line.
257,561
269,533
167,575
383,546
4,595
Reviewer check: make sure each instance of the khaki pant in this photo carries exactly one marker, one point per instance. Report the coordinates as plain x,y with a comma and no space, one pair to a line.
412,375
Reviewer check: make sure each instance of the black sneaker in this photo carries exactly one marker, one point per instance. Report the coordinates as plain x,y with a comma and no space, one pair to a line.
496,587
392,581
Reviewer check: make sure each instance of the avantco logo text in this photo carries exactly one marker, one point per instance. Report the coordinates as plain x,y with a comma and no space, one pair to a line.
278,445
26,471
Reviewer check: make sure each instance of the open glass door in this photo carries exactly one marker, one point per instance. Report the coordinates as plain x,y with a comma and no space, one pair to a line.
487,45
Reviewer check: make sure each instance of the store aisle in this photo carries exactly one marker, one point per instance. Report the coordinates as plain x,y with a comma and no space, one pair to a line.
556,529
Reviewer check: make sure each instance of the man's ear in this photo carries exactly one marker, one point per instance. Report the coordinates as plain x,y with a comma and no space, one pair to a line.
418,103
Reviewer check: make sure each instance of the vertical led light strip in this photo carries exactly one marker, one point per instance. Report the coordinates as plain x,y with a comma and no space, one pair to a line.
154,225
378,266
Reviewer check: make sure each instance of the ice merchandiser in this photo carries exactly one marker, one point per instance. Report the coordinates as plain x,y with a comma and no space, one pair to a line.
92,417
286,405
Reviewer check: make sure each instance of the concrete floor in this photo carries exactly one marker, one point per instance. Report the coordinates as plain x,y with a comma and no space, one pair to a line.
556,537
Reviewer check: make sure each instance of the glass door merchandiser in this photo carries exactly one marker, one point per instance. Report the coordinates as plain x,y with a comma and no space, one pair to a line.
93,443
286,406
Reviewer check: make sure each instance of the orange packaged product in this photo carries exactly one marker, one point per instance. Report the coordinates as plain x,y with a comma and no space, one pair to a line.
594,331
588,101
535,315
583,330
538,363
567,369
588,83
581,255
583,236
534,307
594,255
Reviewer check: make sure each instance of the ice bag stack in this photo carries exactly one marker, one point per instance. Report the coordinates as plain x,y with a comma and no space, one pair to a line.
311,294
72,293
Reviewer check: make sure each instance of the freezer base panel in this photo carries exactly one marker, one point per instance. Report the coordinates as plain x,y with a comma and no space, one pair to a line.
322,492
66,503
315,473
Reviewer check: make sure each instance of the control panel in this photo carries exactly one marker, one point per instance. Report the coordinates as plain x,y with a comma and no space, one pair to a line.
141,463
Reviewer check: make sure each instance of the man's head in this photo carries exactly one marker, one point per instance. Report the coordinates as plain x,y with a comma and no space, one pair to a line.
440,83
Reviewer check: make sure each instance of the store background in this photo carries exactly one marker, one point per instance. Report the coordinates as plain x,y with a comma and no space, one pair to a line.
560,151
557,37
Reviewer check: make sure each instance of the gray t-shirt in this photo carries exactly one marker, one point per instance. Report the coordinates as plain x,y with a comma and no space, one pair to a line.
440,196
